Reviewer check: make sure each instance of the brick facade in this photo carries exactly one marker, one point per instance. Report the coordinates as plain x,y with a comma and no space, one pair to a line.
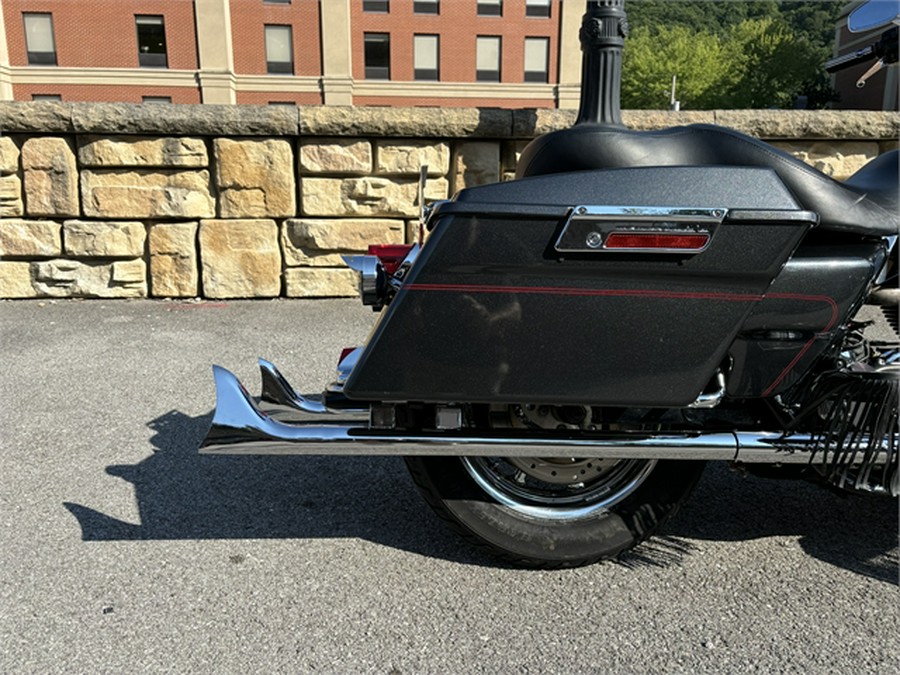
248,18
97,58
458,25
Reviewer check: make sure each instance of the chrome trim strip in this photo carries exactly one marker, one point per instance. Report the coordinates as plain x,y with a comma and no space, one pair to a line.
588,227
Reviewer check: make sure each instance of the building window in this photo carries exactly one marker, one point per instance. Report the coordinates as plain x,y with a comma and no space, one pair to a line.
276,2
46,97
536,56
279,50
426,57
39,39
490,7
426,7
538,8
487,59
151,38
382,6
378,56
156,99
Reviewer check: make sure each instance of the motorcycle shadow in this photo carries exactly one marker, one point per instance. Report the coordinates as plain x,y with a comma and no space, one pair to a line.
856,532
183,495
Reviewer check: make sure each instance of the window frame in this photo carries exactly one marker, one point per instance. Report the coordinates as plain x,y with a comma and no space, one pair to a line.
279,67
376,72
376,6
36,58
427,74
489,75
490,8
534,76
427,7
151,59
537,11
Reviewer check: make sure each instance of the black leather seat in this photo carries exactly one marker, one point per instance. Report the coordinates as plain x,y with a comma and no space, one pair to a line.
864,204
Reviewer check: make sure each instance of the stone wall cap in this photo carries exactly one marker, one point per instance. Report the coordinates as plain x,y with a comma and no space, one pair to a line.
40,117
410,122
183,120
350,121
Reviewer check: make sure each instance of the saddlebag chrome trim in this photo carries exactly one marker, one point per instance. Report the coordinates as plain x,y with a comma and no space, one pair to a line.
588,228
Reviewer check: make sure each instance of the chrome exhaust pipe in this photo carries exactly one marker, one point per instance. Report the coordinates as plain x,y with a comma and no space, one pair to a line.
278,391
241,427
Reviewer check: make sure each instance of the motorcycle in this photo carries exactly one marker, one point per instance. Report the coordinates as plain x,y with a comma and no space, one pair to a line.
563,353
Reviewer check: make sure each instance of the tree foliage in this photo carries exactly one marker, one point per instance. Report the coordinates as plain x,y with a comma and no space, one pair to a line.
756,54
653,56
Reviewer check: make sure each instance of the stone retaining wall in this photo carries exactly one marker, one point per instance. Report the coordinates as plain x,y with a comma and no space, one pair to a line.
109,200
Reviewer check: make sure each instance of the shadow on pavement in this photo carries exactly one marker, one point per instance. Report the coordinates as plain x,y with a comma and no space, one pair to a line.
183,495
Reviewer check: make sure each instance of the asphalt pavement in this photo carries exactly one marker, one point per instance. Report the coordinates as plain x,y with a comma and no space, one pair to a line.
124,551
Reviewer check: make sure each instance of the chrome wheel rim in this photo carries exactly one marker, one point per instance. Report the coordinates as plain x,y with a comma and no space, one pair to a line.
557,488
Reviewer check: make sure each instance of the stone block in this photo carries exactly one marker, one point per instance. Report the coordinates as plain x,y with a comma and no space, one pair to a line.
320,282
255,178
476,163
407,158
366,196
51,178
173,260
15,280
412,232
107,239
341,157
11,197
240,258
9,156
808,124
134,118
302,238
838,159
310,257
129,272
139,151
447,122
30,238
73,278
146,194
38,117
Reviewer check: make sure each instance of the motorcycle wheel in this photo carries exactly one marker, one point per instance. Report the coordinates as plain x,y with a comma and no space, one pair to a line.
554,513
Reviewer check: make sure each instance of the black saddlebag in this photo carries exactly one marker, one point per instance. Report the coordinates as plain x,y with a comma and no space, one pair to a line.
608,287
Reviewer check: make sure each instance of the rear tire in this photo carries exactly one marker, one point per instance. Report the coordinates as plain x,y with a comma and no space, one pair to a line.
524,511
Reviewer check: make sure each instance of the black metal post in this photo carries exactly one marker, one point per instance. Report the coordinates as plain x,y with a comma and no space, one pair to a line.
603,32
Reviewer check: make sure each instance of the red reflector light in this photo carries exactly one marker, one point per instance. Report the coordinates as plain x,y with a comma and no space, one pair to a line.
345,352
656,241
390,255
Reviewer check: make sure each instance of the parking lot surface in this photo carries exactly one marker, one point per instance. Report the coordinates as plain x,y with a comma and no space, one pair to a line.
123,550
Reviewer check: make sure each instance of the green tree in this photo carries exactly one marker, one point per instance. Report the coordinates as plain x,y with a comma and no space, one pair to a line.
774,64
775,49
653,56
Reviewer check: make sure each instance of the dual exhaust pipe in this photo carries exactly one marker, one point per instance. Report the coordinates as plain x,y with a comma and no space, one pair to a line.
285,423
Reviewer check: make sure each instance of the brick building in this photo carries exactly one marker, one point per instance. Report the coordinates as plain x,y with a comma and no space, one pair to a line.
504,53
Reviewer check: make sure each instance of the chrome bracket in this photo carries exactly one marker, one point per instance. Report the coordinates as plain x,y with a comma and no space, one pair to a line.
588,228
